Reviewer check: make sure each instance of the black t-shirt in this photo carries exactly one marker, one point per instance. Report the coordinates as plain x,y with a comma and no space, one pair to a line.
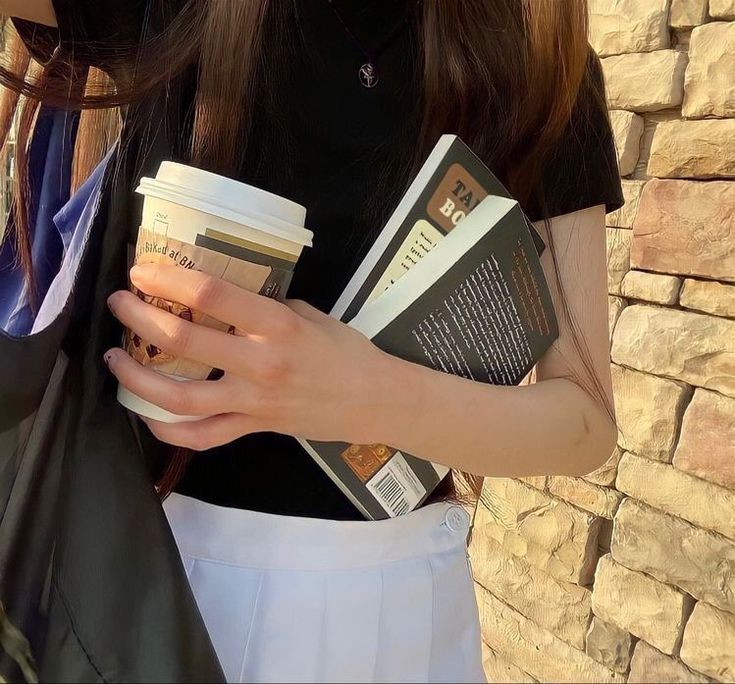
335,147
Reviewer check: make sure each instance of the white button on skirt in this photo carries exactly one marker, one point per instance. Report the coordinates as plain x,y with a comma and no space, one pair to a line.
288,599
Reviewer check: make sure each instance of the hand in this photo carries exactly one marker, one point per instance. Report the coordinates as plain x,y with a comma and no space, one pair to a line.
289,367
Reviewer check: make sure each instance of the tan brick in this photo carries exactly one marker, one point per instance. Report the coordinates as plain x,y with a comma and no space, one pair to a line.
534,649
707,442
685,14
501,669
601,501
618,258
615,306
693,149
672,550
639,604
709,643
627,129
695,348
561,607
709,84
664,487
625,216
687,228
651,123
651,666
722,9
648,410
609,645
548,533
651,287
708,296
645,81
628,26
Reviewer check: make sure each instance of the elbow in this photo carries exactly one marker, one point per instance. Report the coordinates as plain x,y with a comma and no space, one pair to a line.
596,449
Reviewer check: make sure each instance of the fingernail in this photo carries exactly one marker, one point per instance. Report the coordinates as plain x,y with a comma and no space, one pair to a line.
138,271
111,301
108,357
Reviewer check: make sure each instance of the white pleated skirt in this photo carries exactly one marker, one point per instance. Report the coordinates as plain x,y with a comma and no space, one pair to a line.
288,599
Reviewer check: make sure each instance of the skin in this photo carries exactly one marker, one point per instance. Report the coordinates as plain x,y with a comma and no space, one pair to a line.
39,11
292,369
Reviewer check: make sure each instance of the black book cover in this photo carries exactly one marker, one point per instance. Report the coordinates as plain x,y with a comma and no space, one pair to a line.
451,183
466,297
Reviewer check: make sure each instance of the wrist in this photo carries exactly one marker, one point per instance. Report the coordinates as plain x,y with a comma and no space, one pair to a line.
395,391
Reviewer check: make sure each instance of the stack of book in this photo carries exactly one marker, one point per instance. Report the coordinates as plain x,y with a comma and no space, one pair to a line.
453,282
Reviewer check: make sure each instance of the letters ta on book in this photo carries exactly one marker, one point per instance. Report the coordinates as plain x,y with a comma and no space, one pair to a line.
454,283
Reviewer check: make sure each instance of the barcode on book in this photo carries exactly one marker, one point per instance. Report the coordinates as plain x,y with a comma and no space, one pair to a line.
396,487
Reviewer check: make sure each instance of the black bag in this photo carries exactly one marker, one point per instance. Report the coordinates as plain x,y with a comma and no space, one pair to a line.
91,584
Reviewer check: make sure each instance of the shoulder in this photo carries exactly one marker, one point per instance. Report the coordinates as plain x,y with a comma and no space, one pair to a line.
582,169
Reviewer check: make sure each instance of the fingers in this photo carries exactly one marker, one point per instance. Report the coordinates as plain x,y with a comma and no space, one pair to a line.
184,398
226,302
182,338
206,433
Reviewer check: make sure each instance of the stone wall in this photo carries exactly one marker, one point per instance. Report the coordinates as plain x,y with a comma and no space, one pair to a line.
629,574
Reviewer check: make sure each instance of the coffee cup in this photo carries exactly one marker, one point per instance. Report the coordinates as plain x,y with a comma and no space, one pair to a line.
199,220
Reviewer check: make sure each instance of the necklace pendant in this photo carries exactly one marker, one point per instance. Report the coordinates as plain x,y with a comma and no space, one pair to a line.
368,75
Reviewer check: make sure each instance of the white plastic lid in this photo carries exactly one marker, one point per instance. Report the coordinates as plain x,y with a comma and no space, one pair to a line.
229,199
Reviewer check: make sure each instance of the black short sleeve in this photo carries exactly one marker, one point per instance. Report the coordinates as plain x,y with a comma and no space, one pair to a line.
582,170
97,33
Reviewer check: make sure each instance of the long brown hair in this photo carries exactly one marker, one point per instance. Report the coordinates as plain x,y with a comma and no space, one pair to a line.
505,75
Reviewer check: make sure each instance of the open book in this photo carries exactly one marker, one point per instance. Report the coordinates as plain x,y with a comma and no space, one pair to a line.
453,283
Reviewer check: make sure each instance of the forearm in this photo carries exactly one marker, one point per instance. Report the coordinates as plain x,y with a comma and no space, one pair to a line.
551,427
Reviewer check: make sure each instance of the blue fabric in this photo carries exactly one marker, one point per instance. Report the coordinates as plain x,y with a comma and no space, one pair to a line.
74,221
50,157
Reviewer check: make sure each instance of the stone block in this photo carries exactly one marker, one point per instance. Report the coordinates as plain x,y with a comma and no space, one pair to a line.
618,258
628,26
674,551
650,666
500,669
639,604
686,14
648,410
695,348
625,216
686,228
722,9
651,287
609,645
662,486
693,149
706,446
534,649
708,296
709,643
615,306
561,607
546,532
645,81
627,129
600,501
709,83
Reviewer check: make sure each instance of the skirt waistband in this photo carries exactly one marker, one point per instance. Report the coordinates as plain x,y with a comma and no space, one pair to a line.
264,540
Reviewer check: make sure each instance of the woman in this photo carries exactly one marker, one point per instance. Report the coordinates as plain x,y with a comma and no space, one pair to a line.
332,104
